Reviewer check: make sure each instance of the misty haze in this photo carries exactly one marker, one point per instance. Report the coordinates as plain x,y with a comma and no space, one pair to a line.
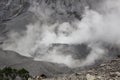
54,38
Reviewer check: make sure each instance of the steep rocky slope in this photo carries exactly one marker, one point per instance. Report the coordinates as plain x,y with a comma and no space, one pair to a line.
108,70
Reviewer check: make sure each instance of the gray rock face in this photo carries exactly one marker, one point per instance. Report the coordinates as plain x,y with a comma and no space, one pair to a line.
64,10
10,9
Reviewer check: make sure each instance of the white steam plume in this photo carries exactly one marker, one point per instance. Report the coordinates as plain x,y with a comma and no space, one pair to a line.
95,29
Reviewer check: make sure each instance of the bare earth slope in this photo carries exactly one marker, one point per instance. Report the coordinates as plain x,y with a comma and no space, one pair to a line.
108,70
12,59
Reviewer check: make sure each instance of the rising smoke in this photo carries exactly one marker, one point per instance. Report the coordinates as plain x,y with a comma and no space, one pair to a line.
96,26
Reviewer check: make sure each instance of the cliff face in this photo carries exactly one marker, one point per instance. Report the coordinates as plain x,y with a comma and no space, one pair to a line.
9,9
64,10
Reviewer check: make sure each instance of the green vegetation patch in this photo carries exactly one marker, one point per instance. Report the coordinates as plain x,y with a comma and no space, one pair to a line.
9,73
